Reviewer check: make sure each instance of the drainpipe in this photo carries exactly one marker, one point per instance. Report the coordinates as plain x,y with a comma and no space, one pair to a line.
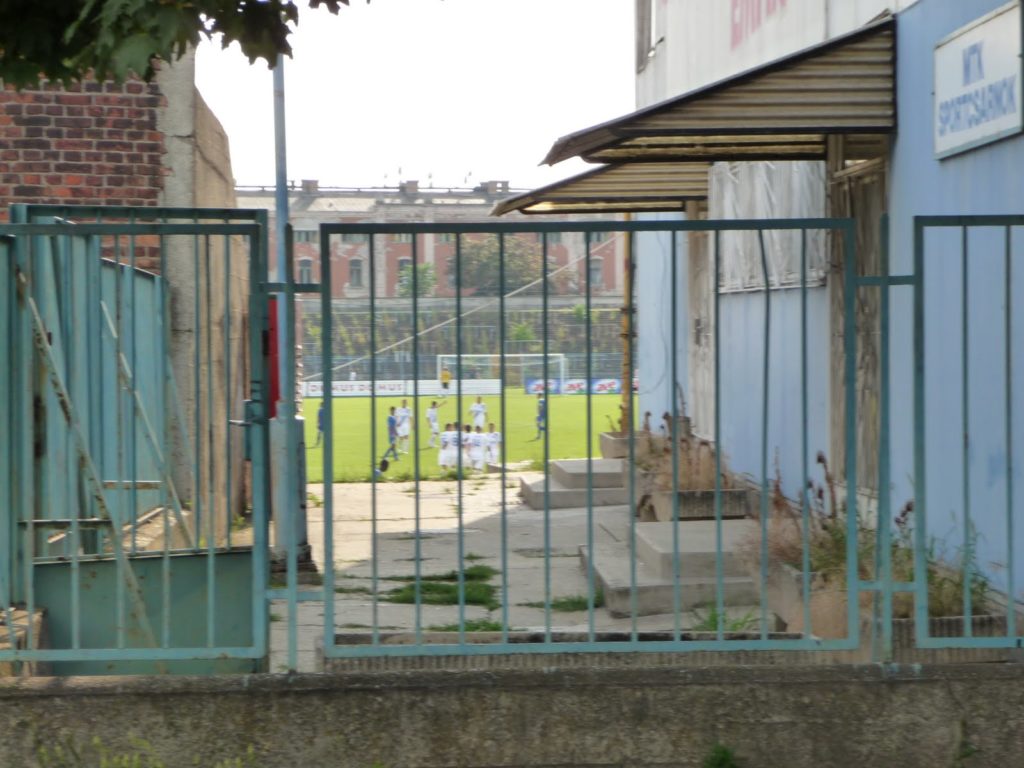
287,455
627,335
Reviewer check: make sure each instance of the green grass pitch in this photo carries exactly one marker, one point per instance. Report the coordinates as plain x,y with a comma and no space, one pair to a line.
567,423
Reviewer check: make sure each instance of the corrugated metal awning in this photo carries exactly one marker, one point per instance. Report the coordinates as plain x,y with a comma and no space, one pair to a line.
618,188
783,110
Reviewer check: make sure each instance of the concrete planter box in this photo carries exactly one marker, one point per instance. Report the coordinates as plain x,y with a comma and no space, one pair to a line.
700,505
614,445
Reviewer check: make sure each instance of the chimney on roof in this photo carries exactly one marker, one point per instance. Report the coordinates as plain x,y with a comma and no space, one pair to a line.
496,187
310,186
409,188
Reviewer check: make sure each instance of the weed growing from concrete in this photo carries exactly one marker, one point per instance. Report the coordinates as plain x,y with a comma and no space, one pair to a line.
720,757
708,622
471,625
446,593
443,588
343,590
569,604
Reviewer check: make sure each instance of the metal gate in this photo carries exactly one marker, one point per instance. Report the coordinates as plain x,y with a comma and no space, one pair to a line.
128,335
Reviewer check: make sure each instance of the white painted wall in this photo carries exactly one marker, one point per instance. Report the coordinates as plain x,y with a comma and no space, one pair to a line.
699,42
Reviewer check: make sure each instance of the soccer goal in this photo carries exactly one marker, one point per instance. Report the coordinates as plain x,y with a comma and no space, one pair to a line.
519,367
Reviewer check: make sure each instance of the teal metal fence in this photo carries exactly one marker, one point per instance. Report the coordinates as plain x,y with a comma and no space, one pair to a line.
968,337
121,477
669,563
804,449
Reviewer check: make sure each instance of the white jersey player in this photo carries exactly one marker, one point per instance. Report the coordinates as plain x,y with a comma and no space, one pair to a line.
404,417
446,456
493,445
435,428
477,448
478,413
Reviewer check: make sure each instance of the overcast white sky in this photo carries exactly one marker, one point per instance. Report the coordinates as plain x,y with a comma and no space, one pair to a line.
457,91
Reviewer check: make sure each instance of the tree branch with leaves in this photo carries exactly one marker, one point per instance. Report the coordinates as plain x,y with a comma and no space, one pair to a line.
71,40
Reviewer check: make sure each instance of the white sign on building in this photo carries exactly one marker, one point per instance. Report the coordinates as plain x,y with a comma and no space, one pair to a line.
978,82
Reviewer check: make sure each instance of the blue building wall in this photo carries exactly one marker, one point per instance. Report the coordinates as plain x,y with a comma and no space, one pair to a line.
742,390
742,359
986,180
653,253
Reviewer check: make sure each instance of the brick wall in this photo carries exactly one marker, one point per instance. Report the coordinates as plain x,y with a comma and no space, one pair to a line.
87,144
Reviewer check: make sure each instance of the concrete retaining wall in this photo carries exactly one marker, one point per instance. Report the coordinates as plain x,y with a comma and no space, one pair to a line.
956,715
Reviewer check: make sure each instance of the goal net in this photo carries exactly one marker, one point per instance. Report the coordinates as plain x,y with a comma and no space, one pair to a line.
520,368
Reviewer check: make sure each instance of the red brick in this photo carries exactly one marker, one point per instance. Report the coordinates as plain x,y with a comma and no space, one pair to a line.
72,144
73,98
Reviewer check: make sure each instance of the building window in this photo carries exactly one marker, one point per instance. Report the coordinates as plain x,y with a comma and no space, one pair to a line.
445,237
305,271
352,237
554,238
596,272
307,236
404,264
403,237
599,237
355,273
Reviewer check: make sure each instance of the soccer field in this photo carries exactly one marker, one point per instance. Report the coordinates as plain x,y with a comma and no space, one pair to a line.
567,424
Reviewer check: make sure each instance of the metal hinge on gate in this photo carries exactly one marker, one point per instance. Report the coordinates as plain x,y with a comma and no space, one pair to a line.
250,413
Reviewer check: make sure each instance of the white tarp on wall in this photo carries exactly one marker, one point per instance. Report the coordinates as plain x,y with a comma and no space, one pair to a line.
769,190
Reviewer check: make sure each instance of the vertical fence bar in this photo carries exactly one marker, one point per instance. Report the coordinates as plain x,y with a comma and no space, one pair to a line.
133,463
76,382
1011,613
8,300
459,452
591,595
884,573
628,386
719,565
920,450
850,380
211,514
805,523
95,325
230,512
327,376
965,433
20,403
258,250
418,542
504,471
674,362
374,550
197,467
763,588
162,345
287,412
123,496
12,353
547,442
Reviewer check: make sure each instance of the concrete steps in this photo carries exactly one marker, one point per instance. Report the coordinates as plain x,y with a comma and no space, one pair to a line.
654,585
567,485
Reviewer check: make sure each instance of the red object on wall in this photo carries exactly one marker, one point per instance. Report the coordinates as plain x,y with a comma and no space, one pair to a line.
274,356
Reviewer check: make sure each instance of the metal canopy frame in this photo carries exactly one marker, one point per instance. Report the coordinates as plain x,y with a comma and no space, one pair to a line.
784,110
616,188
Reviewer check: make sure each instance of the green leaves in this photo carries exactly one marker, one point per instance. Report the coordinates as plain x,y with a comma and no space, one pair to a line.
67,40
